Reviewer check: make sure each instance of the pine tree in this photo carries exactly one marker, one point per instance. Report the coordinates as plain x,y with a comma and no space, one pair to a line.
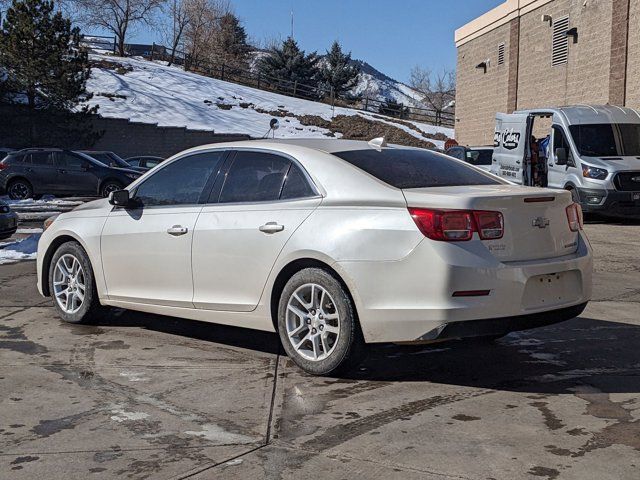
40,57
288,63
230,46
338,72
392,108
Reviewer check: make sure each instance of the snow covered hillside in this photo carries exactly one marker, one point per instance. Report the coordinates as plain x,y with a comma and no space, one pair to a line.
375,84
151,92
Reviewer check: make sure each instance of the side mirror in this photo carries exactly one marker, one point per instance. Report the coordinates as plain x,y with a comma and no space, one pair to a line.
561,156
120,198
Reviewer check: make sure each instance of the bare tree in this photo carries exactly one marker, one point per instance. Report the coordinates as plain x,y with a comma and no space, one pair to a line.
437,90
202,27
179,20
117,16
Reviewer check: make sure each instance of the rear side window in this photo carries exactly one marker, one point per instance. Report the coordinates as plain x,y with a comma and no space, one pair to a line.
43,159
479,157
414,168
70,161
181,182
255,177
296,185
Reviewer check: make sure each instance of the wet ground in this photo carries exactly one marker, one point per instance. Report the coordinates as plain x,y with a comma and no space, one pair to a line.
142,396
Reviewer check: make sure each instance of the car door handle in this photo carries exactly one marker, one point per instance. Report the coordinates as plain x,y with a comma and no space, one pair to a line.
177,230
271,227
62,171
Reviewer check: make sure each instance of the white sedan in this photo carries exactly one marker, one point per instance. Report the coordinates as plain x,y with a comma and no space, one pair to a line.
330,243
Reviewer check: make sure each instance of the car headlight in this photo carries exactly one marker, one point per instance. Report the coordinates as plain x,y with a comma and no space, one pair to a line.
132,176
593,172
49,221
4,209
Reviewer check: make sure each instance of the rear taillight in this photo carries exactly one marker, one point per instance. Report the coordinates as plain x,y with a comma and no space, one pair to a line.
574,216
3,166
458,225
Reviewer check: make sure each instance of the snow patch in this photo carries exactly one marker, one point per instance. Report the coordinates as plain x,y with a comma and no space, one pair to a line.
220,436
122,415
25,249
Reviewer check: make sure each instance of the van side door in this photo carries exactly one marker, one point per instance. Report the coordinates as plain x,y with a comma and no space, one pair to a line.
510,142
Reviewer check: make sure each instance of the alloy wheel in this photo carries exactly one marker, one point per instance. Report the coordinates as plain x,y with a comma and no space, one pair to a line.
313,322
69,283
110,187
19,191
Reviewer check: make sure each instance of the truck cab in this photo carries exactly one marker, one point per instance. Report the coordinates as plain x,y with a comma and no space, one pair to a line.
593,151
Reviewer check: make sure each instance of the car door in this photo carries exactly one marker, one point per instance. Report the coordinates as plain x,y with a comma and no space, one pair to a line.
263,199
76,175
146,249
41,171
557,174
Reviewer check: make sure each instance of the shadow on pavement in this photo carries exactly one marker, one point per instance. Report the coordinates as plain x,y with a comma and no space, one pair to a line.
552,359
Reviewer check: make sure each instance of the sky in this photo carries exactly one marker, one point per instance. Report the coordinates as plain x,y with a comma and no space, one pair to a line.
392,36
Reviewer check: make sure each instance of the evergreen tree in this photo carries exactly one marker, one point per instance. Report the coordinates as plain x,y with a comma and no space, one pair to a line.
338,72
290,64
40,57
230,45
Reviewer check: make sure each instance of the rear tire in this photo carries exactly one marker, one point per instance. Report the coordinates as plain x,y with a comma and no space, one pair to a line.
317,324
110,186
72,284
20,189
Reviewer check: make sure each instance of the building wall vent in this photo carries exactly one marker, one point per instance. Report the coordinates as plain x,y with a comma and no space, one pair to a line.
501,54
560,43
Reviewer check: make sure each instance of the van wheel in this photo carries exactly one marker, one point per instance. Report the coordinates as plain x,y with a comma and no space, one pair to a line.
317,324
72,285
19,189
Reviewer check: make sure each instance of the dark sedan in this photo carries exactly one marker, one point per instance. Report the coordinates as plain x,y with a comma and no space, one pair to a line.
34,172
110,159
8,221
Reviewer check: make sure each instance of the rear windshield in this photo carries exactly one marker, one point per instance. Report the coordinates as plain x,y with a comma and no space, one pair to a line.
413,168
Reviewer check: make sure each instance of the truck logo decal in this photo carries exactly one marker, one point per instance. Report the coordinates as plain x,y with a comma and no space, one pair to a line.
510,139
496,139
540,222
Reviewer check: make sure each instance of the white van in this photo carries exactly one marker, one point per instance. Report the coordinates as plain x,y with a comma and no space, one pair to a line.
593,151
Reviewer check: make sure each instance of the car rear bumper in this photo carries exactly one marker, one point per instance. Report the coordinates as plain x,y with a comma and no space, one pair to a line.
412,300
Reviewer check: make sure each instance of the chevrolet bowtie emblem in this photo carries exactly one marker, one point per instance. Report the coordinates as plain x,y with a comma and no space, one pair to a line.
540,222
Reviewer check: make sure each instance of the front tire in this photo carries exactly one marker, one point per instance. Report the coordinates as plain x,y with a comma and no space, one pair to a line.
317,323
72,284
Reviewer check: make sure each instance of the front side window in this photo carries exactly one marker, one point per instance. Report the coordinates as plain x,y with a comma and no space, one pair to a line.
70,161
255,177
415,168
560,141
181,182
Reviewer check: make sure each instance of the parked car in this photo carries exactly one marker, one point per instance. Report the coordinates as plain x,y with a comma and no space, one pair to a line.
8,221
145,161
110,159
592,151
331,243
33,172
481,157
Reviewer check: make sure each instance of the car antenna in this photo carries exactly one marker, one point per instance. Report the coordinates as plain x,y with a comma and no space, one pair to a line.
378,143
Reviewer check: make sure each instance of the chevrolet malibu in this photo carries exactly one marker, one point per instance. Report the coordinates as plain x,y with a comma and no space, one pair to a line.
330,243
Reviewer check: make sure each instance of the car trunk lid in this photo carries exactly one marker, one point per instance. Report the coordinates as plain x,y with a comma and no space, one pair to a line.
535,220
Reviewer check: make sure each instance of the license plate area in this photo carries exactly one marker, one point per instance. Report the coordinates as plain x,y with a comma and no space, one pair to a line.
552,289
